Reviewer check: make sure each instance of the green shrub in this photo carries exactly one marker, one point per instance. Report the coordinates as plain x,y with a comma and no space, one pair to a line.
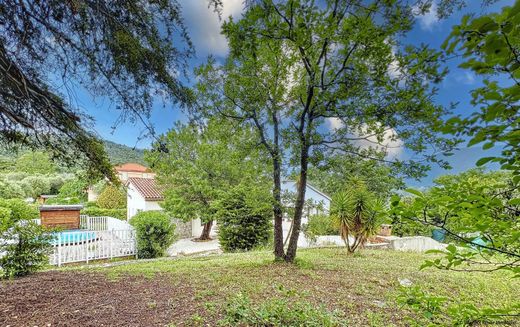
74,188
60,200
244,218
5,218
98,212
239,311
318,225
155,233
112,198
19,209
26,246
36,185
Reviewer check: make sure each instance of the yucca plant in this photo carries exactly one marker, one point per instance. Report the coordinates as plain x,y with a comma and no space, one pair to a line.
358,214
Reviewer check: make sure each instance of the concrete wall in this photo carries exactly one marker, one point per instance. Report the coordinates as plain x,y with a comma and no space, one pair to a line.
414,244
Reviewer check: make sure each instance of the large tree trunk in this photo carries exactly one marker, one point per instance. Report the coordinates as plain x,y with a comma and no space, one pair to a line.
299,205
204,236
277,209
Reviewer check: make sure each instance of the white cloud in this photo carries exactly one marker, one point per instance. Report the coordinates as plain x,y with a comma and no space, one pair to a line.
390,142
428,19
333,123
468,78
204,25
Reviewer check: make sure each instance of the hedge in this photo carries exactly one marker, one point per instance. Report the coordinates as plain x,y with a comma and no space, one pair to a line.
97,212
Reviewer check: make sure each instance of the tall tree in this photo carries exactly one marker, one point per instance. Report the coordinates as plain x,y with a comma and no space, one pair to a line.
337,171
126,51
296,67
197,165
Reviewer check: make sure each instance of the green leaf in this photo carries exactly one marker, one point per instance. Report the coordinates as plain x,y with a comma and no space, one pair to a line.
415,192
483,161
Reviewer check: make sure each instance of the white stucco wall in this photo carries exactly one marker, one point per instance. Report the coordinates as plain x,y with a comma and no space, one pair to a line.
134,202
310,194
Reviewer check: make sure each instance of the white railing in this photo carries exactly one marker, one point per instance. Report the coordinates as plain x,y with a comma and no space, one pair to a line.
102,223
78,246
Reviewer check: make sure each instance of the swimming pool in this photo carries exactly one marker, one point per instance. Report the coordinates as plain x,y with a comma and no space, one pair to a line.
74,236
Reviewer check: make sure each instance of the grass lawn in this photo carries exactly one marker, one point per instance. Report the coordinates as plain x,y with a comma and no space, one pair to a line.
359,290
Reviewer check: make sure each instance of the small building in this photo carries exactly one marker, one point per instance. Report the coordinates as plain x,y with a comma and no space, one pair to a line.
60,216
124,172
316,202
143,194
44,197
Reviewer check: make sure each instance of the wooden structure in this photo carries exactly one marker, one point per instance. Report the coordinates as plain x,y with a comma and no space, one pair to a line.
61,216
386,230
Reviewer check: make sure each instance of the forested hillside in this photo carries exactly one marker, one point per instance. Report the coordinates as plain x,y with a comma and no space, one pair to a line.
119,153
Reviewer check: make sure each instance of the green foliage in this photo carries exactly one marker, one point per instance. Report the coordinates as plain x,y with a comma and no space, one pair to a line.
320,224
489,45
196,166
20,209
35,186
294,67
335,172
443,311
94,211
5,218
244,216
239,311
34,162
74,188
155,232
25,247
358,213
119,153
112,197
478,210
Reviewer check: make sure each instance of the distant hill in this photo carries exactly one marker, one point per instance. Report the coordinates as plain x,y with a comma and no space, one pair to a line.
119,153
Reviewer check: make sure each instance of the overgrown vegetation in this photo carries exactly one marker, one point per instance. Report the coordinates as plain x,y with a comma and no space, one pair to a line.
155,232
244,218
24,245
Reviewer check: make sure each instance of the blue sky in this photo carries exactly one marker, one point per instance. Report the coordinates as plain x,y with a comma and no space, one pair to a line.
204,29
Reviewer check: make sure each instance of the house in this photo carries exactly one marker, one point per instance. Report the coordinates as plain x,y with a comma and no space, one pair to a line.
143,194
316,202
123,172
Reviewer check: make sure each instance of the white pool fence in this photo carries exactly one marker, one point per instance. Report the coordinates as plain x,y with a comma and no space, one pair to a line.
100,238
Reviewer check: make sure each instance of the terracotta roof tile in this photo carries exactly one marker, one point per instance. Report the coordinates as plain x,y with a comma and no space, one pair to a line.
147,188
132,167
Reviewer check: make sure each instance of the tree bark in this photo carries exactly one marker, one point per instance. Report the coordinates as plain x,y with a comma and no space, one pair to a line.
277,209
299,205
204,236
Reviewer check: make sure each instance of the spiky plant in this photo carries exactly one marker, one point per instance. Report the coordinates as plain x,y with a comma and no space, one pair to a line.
358,213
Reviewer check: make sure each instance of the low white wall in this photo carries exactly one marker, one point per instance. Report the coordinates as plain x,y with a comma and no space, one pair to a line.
415,244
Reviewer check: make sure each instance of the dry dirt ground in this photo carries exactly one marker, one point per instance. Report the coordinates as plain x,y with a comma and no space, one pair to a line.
194,291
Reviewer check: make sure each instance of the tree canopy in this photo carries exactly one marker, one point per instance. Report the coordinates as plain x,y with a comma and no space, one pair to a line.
126,51
315,81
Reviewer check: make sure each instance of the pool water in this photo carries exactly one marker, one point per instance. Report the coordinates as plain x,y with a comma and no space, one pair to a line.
74,236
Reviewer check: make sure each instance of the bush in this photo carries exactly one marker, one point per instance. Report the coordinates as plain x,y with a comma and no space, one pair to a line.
5,218
74,188
98,212
318,225
112,198
36,185
244,217
26,246
277,312
60,200
19,209
155,233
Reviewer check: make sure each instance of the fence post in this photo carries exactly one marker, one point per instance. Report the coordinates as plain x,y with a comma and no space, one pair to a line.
87,218
111,241
86,245
59,252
